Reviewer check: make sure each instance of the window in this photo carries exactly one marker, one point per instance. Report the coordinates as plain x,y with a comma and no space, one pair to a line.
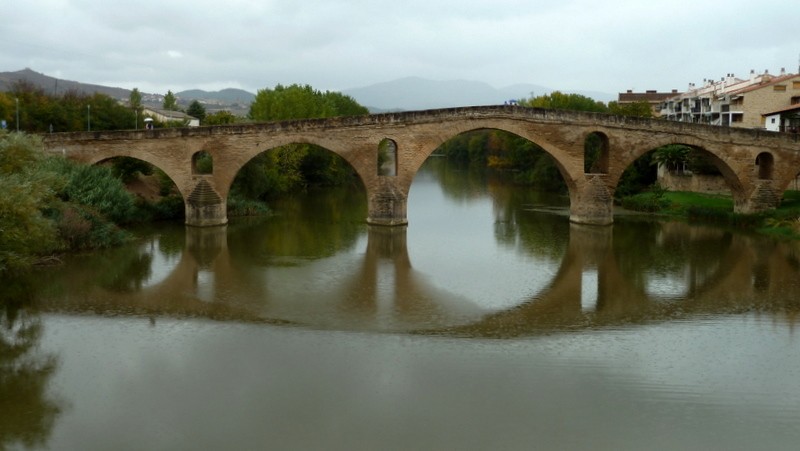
779,88
796,85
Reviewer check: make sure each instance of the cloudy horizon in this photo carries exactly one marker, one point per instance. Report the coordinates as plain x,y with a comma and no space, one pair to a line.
572,45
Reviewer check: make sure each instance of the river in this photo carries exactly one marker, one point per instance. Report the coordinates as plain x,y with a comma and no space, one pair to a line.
489,322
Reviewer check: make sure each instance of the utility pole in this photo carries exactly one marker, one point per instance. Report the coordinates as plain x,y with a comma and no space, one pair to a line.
88,118
17,99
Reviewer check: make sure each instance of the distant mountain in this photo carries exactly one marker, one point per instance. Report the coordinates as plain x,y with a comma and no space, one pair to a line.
236,100
414,93
225,96
410,93
56,86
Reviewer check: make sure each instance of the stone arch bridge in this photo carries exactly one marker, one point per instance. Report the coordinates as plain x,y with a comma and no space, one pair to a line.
757,165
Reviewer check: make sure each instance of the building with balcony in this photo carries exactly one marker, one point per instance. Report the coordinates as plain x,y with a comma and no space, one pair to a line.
734,102
785,120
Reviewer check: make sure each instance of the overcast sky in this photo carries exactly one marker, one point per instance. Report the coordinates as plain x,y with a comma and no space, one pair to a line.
587,45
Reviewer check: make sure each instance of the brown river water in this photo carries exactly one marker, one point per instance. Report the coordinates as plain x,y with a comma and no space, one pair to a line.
488,323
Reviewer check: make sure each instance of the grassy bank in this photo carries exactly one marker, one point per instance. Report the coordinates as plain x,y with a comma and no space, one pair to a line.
783,221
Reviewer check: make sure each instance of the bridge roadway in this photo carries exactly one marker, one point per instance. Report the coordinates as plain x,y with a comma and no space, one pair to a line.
758,166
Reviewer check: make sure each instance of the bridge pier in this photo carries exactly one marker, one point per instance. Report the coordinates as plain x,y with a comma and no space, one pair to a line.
204,206
387,204
763,197
591,203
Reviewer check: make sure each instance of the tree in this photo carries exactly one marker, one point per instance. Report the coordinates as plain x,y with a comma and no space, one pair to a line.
301,102
635,109
170,102
674,157
42,112
295,165
220,118
135,101
557,100
196,110
25,232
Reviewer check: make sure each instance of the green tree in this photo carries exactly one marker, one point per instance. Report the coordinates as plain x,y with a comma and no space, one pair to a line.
25,232
220,118
196,110
674,157
170,102
301,102
69,111
558,100
296,165
635,109
135,101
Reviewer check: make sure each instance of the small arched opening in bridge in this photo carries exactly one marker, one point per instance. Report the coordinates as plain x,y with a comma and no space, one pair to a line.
202,163
151,186
387,158
299,170
765,163
595,153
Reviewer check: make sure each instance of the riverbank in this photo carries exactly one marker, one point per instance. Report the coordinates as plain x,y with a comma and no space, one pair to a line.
783,222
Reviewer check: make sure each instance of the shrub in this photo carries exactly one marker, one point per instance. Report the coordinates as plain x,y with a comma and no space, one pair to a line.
96,187
81,228
24,231
166,208
651,201
238,206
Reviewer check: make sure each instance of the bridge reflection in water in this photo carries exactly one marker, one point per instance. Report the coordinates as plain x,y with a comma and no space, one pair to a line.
598,284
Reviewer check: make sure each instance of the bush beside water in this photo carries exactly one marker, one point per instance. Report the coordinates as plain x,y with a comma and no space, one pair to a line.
783,221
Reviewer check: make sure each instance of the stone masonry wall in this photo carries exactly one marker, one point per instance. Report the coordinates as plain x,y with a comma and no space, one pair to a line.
698,183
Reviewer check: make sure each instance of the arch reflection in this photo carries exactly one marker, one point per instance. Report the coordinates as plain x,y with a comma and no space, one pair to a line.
370,283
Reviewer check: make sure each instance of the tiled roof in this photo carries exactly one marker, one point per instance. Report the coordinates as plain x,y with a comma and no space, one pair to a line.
645,96
771,82
784,110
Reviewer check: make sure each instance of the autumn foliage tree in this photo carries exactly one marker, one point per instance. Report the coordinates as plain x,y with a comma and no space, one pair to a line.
41,112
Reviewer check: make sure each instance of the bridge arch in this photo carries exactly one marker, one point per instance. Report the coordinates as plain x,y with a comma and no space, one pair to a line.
590,198
291,151
563,158
562,134
110,158
727,168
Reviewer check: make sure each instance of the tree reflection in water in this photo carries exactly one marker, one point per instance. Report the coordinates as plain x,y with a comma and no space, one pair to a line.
27,414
